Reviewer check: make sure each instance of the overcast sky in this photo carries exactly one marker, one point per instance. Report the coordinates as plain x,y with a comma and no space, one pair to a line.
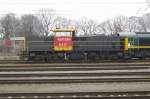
74,9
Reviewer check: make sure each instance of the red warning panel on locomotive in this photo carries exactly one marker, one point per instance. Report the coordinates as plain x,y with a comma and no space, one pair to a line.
63,43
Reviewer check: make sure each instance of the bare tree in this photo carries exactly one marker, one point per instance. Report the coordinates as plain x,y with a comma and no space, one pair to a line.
30,25
9,25
120,24
148,21
132,25
2,31
106,26
143,25
48,19
87,26
145,22
62,22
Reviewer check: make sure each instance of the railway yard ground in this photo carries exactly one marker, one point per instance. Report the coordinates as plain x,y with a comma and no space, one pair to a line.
113,80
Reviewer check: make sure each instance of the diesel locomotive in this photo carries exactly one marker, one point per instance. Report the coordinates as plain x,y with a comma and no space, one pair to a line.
65,45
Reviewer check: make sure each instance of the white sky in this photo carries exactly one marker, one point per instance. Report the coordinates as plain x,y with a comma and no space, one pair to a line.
74,9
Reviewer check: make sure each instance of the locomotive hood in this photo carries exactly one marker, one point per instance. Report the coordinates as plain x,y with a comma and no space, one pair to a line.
126,34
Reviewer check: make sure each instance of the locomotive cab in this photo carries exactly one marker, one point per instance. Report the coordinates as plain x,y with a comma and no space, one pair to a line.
63,39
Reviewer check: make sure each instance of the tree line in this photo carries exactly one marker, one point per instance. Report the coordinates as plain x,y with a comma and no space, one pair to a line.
40,24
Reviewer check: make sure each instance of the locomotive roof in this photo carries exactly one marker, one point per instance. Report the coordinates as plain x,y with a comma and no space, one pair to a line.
91,35
135,34
143,35
95,35
142,32
128,34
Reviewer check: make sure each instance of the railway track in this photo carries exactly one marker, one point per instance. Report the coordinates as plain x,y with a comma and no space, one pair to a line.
126,64
71,68
76,81
75,73
77,95
73,61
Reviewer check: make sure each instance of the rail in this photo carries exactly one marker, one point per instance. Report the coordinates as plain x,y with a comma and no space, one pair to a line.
78,95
